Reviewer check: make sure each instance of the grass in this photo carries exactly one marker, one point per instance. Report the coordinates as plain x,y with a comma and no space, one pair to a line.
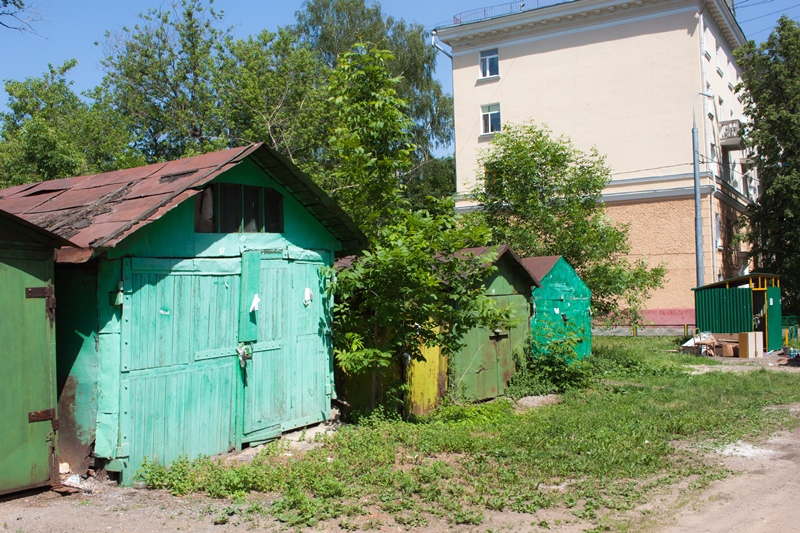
610,444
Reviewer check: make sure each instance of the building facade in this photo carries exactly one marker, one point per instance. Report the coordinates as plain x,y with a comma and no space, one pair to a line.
621,76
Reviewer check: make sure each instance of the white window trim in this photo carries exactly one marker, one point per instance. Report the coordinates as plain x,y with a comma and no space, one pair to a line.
481,60
489,133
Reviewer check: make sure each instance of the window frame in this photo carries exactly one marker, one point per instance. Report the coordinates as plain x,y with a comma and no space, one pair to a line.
486,126
270,209
484,58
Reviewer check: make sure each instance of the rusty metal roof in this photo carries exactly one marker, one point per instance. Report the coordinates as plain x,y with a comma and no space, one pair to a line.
98,211
540,266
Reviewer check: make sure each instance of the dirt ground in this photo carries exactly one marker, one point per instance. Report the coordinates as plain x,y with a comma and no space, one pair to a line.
758,499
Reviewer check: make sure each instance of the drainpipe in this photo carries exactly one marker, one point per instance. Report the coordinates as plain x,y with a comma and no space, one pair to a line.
438,46
707,145
713,199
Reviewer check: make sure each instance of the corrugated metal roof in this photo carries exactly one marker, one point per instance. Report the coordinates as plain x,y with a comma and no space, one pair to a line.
100,210
540,266
755,278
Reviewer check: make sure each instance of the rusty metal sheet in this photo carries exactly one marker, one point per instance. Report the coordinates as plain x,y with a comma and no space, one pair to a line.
75,198
74,255
131,208
24,204
86,236
120,176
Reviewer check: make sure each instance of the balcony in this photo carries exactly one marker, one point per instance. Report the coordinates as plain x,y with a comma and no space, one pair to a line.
730,135
485,13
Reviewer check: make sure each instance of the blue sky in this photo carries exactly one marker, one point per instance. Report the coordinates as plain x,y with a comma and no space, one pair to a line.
72,27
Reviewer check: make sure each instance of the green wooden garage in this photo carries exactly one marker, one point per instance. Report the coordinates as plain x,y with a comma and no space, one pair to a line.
483,367
27,351
196,318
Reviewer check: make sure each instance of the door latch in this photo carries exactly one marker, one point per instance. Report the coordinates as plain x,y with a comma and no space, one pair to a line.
245,354
50,299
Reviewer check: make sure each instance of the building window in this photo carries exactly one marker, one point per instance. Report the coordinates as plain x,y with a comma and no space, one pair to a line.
490,65
490,118
232,208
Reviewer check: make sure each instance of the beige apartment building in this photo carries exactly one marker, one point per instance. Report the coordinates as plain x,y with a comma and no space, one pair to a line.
622,76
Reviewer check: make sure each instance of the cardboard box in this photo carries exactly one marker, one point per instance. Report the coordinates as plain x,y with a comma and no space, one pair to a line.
751,344
728,349
759,343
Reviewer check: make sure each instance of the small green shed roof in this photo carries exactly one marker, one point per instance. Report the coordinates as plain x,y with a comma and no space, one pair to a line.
758,280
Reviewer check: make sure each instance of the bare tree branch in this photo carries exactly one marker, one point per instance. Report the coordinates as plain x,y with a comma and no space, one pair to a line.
15,15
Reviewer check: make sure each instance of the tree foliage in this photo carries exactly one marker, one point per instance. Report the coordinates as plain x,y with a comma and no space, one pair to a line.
435,177
542,196
771,91
159,74
370,139
49,132
411,289
332,27
273,89
15,15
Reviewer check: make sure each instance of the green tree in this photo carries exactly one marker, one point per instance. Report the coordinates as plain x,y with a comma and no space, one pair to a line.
435,177
412,281
273,88
49,132
542,196
332,27
159,75
771,91
370,139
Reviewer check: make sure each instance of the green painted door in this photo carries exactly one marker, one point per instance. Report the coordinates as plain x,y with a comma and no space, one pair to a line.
312,369
774,319
180,382
28,382
265,284
287,373
485,364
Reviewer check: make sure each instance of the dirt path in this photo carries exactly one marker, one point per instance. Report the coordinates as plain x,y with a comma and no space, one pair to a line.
760,500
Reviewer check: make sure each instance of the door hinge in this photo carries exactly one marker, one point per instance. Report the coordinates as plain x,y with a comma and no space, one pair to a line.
49,294
41,416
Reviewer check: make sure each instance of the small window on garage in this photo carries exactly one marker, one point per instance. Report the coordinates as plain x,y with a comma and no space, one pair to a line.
253,209
205,220
274,211
232,208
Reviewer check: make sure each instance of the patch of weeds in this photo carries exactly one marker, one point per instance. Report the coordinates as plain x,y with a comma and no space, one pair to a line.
410,520
467,516
83,502
225,515
553,368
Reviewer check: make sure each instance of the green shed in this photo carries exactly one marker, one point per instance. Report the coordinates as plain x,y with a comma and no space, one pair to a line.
482,368
561,303
744,303
27,337
195,319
